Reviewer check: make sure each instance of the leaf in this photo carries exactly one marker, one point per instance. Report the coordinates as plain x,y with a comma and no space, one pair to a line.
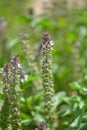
64,112
39,117
44,22
66,100
81,105
26,122
75,122
29,100
84,127
22,99
1,96
25,116
22,19
58,99
78,114
13,42
1,83
77,87
38,96
32,78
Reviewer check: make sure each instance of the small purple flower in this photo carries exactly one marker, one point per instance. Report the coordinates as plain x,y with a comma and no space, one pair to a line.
6,69
14,59
6,73
41,126
46,41
46,36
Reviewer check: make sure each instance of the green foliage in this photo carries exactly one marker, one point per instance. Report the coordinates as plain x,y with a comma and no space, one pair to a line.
74,109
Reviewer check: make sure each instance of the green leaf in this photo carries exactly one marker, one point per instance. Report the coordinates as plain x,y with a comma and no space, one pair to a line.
75,122
22,19
25,116
1,96
26,122
78,114
22,99
84,127
1,83
38,96
58,99
77,87
64,112
44,22
13,42
66,100
32,78
29,100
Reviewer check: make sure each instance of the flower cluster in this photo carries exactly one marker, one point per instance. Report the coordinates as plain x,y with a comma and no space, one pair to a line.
10,114
32,64
48,78
4,120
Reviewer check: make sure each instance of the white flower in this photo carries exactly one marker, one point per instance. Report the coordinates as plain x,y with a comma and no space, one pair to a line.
19,66
51,43
26,77
85,90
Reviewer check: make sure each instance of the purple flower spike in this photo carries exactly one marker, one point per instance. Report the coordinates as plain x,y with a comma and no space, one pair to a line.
14,59
46,41
46,36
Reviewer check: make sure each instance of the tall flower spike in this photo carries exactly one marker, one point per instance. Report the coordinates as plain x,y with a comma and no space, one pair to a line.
4,120
14,102
48,80
32,64
10,113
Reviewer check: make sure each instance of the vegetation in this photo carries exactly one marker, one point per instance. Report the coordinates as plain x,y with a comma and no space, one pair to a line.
43,82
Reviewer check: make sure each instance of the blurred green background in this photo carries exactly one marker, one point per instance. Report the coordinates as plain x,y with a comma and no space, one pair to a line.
67,23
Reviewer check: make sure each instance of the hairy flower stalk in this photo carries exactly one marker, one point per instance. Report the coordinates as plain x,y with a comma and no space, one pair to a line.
4,120
28,53
14,103
32,65
10,114
48,80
